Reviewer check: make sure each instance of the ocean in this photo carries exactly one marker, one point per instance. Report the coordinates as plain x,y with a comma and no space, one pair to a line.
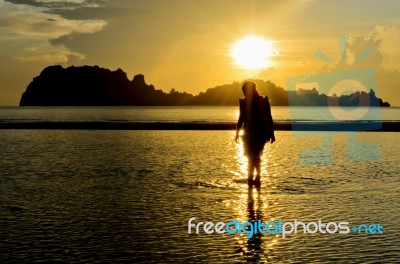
211,114
126,196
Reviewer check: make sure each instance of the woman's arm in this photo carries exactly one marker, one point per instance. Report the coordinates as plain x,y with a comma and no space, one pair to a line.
240,120
270,120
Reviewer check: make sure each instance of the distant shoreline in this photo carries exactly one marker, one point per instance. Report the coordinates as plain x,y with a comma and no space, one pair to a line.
359,126
93,85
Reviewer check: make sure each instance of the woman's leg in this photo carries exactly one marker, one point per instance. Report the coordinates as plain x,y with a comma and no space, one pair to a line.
250,169
257,165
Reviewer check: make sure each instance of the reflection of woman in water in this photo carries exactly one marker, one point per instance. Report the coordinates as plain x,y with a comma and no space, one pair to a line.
255,116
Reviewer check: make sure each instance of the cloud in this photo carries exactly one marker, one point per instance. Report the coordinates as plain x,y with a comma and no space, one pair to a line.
98,12
377,49
32,21
303,62
27,24
52,57
383,42
41,51
81,9
50,4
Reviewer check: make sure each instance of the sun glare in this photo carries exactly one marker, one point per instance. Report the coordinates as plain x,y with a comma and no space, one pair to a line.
252,52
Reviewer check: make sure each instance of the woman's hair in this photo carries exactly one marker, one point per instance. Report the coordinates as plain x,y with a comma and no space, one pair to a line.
249,89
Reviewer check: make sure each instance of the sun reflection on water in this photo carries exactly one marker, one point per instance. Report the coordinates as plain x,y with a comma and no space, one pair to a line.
241,159
251,205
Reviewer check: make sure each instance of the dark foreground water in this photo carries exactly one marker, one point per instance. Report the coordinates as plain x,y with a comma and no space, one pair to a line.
127,196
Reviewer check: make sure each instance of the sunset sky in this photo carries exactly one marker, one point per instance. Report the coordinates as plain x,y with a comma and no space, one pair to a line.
187,45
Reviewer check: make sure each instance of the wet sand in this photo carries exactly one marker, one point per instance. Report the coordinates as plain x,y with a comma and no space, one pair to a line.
125,196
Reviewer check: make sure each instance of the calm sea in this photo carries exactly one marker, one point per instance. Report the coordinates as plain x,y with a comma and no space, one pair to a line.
212,114
101,196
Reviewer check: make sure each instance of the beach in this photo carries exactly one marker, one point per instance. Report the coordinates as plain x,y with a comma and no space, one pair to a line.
127,196
199,132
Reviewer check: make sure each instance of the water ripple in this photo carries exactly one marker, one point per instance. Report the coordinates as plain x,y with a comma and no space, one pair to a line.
126,197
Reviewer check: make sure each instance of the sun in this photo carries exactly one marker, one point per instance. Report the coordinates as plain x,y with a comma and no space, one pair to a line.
252,52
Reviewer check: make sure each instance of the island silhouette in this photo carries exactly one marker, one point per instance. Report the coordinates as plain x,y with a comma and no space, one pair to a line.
96,86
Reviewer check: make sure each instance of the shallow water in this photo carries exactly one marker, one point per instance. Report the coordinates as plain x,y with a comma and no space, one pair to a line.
127,196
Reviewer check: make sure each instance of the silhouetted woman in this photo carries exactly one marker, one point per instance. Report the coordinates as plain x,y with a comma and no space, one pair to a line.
255,116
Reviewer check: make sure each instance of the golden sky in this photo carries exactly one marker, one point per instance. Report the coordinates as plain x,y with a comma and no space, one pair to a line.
187,45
